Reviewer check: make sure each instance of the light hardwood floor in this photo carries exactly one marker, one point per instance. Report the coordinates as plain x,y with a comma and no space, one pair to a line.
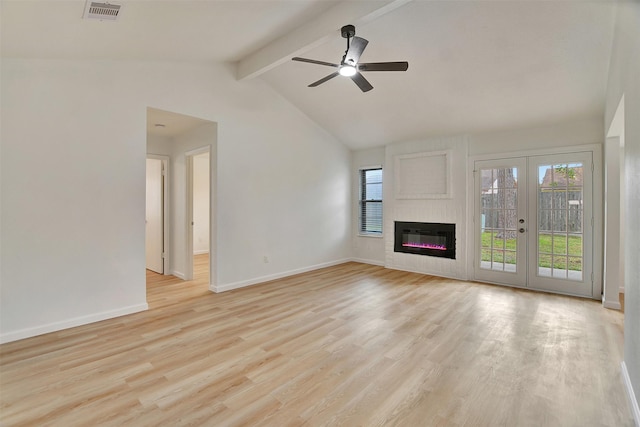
352,345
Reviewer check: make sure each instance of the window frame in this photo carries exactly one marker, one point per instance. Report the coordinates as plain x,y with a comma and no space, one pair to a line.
363,201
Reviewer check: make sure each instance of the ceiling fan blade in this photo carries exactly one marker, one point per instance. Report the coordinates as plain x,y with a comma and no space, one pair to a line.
362,83
383,66
324,79
356,47
313,61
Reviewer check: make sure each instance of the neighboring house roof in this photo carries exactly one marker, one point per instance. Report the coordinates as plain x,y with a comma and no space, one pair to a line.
485,176
489,183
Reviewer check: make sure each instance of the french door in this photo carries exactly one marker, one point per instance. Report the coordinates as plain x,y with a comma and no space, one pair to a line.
533,222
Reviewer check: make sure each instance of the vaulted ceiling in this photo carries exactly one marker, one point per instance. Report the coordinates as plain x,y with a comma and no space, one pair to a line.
474,66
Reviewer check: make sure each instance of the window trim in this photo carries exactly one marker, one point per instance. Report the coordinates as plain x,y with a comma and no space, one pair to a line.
361,232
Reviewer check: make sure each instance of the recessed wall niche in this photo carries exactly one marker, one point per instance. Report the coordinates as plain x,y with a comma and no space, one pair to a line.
424,175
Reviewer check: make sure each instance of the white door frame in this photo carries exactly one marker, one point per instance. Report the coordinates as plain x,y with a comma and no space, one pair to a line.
614,211
165,210
598,205
189,155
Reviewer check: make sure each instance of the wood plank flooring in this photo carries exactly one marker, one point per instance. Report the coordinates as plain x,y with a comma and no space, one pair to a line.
351,345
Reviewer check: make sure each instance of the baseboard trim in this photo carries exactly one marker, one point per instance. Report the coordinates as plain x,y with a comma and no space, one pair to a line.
262,279
179,275
614,305
70,323
621,290
368,261
633,401
206,251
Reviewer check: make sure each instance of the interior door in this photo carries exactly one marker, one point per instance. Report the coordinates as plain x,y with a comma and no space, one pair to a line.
154,227
534,222
500,221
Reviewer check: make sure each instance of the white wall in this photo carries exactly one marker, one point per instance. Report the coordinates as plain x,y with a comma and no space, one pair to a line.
295,204
72,229
576,132
201,202
161,145
72,199
624,69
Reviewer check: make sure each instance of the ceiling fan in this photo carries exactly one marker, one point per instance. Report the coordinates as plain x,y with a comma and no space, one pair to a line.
350,67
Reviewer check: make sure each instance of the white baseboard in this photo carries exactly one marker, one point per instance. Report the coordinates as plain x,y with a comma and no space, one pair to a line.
633,401
202,252
614,305
178,274
621,290
368,261
70,323
245,283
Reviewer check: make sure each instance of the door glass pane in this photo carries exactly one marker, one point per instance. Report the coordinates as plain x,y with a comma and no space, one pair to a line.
510,221
559,199
498,205
560,232
559,244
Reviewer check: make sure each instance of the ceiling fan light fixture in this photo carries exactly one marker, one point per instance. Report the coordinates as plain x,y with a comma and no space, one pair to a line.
350,65
347,70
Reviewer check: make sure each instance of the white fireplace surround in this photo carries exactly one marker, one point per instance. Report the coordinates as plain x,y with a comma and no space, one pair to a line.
422,184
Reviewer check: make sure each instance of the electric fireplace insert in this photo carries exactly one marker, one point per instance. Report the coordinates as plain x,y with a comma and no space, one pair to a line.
426,238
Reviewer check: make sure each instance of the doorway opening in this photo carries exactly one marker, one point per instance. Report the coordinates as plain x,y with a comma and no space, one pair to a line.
198,246
156,232
188,147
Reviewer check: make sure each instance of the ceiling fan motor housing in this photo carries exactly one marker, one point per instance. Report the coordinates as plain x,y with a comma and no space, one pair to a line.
348,31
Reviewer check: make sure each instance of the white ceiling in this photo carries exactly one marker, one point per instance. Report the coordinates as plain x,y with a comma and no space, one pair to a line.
174,30
474,66
169,124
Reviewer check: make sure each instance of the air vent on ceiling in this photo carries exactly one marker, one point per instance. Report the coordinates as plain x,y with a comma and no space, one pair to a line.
101,11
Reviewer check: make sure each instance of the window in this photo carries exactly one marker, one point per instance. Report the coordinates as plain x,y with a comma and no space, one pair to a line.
371,201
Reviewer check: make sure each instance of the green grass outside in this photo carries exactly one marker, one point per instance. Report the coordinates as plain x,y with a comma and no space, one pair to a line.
566,257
